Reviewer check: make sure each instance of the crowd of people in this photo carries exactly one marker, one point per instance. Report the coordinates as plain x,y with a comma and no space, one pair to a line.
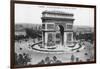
47,60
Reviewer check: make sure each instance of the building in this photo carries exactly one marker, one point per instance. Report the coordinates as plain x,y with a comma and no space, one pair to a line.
57,28
19,30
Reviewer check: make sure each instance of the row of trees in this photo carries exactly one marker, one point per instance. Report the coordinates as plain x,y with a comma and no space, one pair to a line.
30,33
33,33
85,36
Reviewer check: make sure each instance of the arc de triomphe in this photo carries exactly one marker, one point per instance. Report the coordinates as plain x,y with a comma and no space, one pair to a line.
57,28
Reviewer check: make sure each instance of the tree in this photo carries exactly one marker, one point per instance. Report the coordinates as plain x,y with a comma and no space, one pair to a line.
22,59
33,33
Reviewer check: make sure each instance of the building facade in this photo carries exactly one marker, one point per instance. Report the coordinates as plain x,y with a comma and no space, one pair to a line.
57,28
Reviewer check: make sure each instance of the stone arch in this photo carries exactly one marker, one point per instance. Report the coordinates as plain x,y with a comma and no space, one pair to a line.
62,33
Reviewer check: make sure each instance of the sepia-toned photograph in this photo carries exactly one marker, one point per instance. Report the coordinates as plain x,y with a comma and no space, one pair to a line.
49,34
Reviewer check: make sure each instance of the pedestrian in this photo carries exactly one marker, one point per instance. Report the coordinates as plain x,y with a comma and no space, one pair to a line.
55,60
42,62
47,60
72,58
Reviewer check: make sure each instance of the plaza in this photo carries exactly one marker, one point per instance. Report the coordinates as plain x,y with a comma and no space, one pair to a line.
56,40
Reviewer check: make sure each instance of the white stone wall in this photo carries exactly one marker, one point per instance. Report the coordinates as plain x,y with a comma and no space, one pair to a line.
46,39
65,38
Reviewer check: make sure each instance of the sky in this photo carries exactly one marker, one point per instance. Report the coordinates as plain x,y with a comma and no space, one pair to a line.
25,13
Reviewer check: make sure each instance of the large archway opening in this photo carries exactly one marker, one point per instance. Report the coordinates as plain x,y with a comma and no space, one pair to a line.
62,33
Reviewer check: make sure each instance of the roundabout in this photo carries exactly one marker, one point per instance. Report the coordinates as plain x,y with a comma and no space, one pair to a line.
58,49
